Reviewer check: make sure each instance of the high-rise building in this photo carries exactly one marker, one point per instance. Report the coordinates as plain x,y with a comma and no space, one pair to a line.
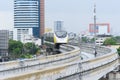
4,38
58,25
11,35
28,18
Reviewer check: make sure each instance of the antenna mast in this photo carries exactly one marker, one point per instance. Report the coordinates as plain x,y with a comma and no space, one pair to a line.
95,29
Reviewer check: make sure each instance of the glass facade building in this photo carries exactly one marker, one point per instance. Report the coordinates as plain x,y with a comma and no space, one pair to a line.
4,38
58,25
27,15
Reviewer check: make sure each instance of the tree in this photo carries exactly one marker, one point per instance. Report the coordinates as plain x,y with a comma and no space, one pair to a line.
15,48
118,51
110,41
19,50
30,48
117,39
92,40
85,39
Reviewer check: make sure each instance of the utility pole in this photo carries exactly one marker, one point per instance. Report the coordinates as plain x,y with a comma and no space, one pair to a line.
23,51
95,29
32,43
80,63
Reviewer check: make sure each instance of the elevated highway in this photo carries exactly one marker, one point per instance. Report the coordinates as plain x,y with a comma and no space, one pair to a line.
66,66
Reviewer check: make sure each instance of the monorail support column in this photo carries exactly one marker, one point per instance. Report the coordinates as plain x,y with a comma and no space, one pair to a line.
57,48
105,77
119,64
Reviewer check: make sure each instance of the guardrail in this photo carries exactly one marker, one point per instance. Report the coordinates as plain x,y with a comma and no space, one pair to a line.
27,62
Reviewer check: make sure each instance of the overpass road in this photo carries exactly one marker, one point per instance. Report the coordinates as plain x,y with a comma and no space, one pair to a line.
65,66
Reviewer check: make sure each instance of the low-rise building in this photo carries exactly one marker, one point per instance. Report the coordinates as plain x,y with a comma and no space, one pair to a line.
101,38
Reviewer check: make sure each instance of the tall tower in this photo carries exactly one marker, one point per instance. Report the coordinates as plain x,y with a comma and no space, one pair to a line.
42,19
29,18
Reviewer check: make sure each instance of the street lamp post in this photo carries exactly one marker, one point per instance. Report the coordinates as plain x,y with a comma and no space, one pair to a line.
95,30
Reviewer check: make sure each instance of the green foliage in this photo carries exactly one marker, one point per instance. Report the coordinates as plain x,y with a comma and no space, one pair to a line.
19,50
118,51
110,41
26,56
117,39
85,39
15,48
30,48
92,40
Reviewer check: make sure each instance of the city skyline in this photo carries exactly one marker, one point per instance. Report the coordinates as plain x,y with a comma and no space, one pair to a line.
76,14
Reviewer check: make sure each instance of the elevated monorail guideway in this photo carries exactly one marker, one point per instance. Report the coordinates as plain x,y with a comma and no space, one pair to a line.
65,66
41,63
95,68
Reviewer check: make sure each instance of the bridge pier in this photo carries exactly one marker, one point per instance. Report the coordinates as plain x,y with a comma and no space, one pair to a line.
105,77
114,76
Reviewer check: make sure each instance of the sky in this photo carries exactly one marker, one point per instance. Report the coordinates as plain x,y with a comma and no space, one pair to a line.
76,14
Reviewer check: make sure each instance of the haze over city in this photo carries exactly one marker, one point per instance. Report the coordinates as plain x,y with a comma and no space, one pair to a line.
76,14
